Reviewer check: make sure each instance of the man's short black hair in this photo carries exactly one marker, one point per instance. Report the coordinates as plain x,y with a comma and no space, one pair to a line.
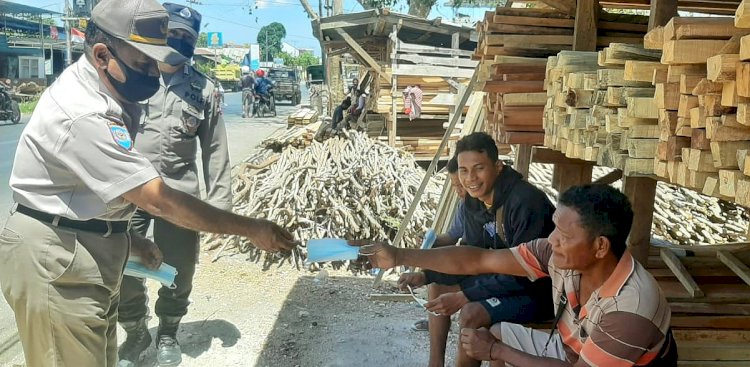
452,165
478,142
604,211
95,35
347,101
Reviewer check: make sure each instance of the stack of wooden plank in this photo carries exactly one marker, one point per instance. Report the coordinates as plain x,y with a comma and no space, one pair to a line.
703,142
303,116
441,73
708,293
601,108
513,46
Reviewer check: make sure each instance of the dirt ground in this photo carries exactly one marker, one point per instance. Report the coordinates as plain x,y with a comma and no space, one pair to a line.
244,316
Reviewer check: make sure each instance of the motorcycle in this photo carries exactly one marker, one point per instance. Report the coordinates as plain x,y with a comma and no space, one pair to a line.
9,109
264,105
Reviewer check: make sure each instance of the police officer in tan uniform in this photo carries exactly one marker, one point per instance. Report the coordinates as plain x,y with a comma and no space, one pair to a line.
182,115
77,180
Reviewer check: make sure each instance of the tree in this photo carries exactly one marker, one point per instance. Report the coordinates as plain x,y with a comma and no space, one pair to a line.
202,40
269,39
307,59
420,8
289,60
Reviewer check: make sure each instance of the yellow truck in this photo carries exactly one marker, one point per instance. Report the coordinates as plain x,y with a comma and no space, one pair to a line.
228,76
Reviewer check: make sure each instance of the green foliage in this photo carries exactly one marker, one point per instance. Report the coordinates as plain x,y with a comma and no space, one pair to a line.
28,107
289,60
202,40
307,59
204,67
269,39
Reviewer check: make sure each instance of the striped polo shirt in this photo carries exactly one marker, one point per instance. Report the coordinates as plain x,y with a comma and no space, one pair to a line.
624,322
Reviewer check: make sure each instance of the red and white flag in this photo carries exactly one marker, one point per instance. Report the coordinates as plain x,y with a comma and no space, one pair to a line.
76,35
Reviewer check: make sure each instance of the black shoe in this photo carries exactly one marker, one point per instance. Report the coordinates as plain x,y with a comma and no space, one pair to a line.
137,341
169,353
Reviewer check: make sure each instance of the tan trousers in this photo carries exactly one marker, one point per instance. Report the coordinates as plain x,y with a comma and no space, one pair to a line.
63,286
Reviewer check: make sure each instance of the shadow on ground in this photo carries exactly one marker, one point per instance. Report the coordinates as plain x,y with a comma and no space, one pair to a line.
334,324
196,338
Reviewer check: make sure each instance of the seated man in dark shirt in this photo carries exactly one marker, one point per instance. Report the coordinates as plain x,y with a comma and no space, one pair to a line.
501,211
338,113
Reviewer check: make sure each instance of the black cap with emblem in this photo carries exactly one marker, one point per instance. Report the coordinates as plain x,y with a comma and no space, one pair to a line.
140,23
183,17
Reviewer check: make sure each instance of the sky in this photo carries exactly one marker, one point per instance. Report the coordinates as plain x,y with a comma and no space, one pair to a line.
232,18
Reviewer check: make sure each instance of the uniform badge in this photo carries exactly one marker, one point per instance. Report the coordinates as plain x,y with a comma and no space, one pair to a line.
493,302
121,136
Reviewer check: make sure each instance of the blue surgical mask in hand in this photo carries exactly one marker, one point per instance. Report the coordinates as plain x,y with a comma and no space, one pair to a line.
429,239
330,249
164,275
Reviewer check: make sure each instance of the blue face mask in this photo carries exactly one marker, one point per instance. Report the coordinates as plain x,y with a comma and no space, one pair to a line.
164,275
429,239
330,249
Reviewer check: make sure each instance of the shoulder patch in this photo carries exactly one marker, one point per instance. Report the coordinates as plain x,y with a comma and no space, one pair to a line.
121,136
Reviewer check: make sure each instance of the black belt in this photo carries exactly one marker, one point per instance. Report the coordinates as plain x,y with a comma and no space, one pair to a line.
91,225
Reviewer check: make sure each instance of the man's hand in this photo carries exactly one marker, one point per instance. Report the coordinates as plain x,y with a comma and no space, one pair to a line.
146,249
447,304
415,280
380,255
478,343
269,236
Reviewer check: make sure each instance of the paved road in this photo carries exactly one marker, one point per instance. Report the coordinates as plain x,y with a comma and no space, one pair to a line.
243,134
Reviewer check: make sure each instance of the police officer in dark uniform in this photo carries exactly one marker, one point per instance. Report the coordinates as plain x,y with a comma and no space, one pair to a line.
181,116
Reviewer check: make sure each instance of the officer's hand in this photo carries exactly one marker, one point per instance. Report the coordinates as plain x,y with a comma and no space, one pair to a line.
269,236
380,255
447,304
479,343
147,250
415,280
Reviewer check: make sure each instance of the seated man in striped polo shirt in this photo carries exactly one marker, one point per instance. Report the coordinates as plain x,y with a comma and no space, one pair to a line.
609,309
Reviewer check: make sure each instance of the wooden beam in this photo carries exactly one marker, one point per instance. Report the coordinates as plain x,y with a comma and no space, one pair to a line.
609,178
641,191
362,53
681,273
584,34
433,166
737,266
565,6
309,10
661,12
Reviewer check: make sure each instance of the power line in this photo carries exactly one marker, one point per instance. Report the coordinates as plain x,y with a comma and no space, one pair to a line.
256,28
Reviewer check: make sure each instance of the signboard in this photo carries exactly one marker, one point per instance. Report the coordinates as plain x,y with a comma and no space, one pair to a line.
215,39
82,8
278,61
254,57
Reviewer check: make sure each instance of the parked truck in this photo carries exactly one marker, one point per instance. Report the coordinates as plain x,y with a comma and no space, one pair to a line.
228,76
286,84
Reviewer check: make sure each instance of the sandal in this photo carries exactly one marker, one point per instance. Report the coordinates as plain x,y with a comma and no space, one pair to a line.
420,325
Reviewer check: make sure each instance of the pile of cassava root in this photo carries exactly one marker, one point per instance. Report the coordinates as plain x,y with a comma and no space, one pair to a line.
349,186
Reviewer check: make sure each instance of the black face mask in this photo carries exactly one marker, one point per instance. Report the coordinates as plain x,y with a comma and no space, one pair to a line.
185,48
137,85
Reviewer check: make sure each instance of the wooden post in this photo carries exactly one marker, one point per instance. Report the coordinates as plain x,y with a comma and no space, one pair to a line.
394,90
433,166
567,175
661,12
394,112
523,159
641,191
584,34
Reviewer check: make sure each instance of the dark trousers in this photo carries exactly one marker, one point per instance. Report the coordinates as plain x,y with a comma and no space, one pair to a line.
180,249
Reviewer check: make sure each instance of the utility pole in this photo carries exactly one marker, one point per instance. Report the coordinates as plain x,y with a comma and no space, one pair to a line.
68,35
